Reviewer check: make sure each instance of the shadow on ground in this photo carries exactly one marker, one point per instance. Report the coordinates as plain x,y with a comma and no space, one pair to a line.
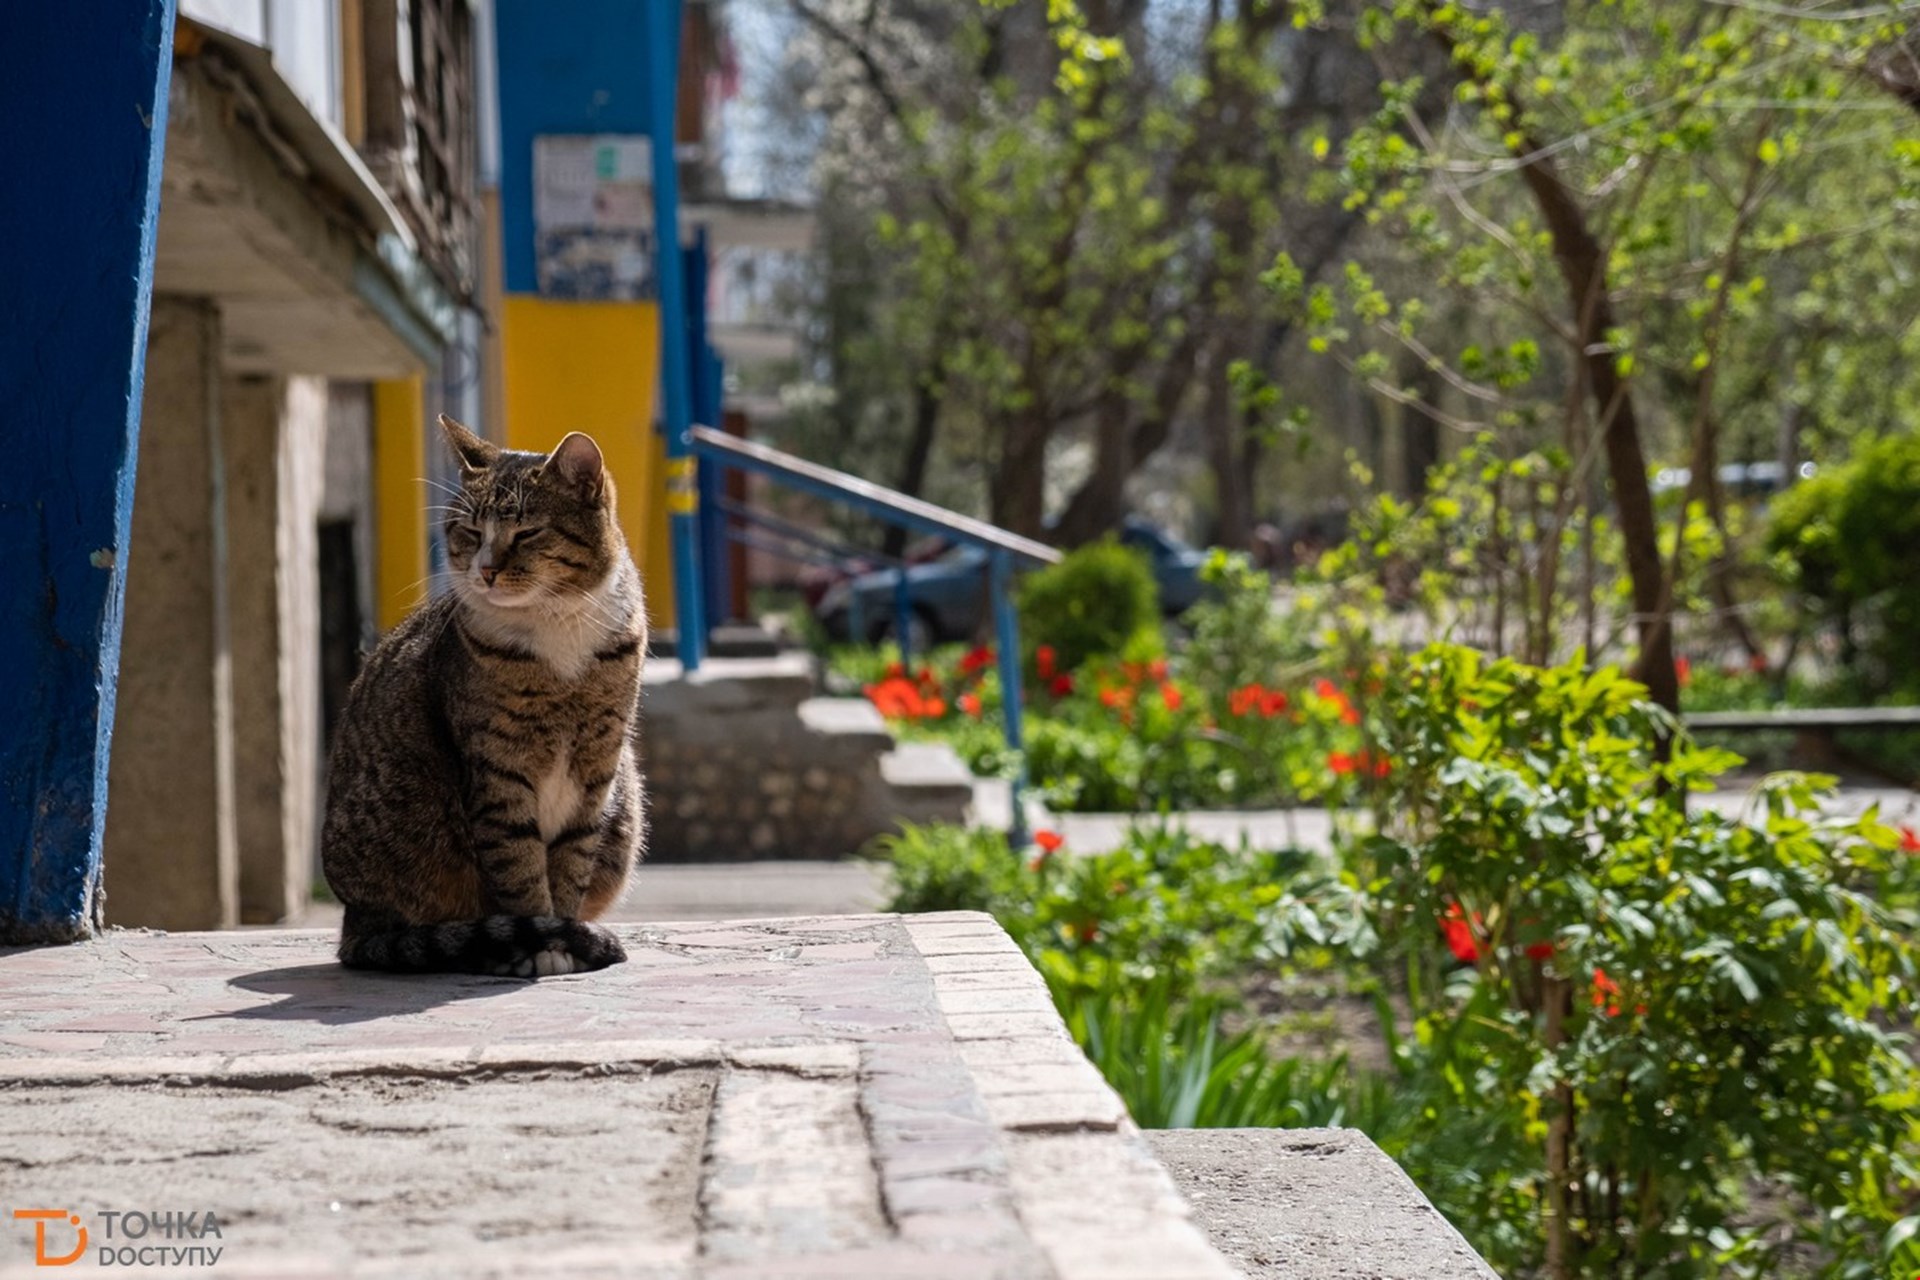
334,996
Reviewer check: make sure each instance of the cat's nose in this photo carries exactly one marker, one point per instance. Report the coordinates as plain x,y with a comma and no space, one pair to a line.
487,575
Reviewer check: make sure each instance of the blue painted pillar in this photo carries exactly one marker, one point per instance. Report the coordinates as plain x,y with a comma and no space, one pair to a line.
676,365
83,98
708,392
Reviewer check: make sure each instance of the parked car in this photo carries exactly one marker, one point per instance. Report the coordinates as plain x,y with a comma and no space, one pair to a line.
947,597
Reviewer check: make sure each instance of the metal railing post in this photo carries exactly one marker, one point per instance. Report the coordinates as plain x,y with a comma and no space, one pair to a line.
1007,632
683,494
902,616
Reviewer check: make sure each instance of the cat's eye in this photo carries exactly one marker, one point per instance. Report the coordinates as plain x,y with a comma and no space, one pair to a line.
520,536
464,535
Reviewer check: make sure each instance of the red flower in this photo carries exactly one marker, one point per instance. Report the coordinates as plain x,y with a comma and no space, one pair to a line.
1343,763
1170,695
1244,699
1605,993
1062,685
1457,929
1683,671
1115,699
1043,661
934,708
926,679
1909,840
1273,703
976,660
1539,950
1326,691
896,670
1757,664
1157,668
970,703
1048,841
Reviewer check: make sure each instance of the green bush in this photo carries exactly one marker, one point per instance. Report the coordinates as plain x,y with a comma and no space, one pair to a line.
1665,1008
1238,637
1166,906
1100,601
1849,541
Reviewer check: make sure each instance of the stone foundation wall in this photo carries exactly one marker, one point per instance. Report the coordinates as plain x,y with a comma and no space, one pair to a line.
743,763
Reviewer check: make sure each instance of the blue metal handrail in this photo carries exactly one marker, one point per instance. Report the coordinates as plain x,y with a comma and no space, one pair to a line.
829,553
1005,551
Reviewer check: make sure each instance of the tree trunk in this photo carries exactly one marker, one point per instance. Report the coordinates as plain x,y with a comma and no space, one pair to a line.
1101,500
1233,494
1018,502
1583,269
913,471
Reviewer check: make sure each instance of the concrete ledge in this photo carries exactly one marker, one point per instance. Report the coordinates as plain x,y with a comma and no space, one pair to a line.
1303,1204
842,1096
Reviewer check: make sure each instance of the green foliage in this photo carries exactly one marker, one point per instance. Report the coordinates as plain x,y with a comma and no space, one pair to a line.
1694,1024
1175,1066
1164,907
1100,601
1676,1004
1238,636
1849,540
953,869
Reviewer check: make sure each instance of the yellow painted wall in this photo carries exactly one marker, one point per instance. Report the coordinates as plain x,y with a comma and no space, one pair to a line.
595,367
400,498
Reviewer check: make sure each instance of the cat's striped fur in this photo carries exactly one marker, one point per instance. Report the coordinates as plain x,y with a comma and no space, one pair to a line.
484,801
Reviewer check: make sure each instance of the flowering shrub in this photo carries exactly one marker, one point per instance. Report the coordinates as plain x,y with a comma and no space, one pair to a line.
1100,601
1661,1007
1645,1041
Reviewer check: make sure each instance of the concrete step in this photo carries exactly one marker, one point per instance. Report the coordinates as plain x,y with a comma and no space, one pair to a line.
743,763
845,1096
927,782
1302,1204
854,721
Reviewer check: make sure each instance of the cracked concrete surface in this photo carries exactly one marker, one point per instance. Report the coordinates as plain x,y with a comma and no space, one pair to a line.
830,1096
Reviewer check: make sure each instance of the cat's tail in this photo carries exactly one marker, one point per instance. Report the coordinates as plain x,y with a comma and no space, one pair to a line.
510,946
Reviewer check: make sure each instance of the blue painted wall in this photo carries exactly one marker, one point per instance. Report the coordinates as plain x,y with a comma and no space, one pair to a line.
577,67
83,100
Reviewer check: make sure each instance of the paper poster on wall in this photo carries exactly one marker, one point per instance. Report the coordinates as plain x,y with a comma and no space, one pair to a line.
593,216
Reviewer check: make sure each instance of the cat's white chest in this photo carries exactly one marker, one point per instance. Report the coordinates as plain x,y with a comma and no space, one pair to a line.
556,798
567,648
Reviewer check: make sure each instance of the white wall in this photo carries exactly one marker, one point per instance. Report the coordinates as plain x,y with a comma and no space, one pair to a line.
245,18
305,38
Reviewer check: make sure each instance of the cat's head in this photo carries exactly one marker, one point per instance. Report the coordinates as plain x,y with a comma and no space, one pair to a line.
529,529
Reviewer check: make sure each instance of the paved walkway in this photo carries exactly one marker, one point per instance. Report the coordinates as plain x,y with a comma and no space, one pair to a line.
1307,828
828,1096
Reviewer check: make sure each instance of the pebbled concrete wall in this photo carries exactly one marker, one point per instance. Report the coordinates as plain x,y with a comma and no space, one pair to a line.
742,762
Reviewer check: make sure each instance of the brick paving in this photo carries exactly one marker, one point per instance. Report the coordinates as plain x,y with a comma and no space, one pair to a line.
821,1096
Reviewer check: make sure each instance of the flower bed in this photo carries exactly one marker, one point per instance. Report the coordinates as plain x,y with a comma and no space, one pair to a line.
1637,1039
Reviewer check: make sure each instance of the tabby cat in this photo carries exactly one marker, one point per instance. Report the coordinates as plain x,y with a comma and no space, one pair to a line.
484,801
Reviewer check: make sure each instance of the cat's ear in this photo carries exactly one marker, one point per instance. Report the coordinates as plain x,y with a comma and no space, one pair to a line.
576,463
469,450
